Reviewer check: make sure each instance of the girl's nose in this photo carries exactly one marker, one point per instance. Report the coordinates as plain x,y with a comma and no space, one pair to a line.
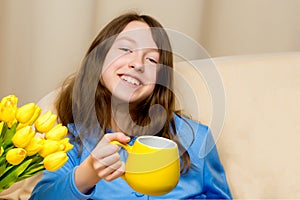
137,63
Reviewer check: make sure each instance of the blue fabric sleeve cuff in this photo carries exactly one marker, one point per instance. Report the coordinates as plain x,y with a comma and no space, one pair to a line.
76,192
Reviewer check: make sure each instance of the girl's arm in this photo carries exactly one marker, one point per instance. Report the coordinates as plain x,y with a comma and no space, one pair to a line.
77,180
215,183
103,163
59,184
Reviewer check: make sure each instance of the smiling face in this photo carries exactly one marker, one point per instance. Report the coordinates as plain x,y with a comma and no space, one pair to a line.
130,67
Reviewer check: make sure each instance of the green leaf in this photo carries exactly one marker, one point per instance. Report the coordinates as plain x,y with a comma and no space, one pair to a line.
4,129
2,169
30,172
6,168
6,150
9,135
36,158
2,159
32,168
12,175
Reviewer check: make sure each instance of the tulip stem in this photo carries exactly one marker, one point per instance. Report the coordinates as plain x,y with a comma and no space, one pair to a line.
5,168
13,175
3,131
33,168
7,139
30,171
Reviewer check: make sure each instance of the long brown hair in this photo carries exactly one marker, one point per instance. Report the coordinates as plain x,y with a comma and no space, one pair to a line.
162,94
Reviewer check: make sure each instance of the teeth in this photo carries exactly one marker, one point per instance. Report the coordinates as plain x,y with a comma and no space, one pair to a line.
130,80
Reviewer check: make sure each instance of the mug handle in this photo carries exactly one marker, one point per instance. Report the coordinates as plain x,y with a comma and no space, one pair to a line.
127,147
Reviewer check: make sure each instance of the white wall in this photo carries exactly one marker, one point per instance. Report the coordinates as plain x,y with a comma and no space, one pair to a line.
43,41
233,27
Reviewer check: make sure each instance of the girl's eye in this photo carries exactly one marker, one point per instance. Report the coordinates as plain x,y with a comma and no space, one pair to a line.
152,60
127,50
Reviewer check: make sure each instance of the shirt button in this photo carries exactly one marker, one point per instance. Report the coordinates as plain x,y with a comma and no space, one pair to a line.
138,194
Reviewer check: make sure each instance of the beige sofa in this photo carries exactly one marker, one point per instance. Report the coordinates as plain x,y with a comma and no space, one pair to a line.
252,104
259,143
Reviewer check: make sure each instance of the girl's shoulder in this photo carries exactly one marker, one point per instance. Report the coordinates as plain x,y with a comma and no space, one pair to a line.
191,134
194,136
187,124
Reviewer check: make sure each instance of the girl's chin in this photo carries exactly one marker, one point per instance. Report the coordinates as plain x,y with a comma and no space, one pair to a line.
126,99
123,98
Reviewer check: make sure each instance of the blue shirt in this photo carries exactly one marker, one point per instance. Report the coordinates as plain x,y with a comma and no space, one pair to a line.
205,180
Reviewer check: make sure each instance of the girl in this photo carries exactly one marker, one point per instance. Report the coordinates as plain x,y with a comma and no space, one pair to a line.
123,90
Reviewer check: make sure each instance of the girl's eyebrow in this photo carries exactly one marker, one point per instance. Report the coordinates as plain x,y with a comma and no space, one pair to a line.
131,40
126,38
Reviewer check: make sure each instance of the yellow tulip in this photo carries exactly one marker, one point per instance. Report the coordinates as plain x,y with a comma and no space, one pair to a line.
57,132
65,145
8,108
1,151
20,126
49,147
35,115
34,146
10,123
45,122
15,156
23,136
26,112
55,161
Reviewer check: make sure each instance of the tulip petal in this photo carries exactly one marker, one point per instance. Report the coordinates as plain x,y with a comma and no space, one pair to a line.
49,147
58,132
45,122
23,136
55,161
15,156
24,113
8,108
34,146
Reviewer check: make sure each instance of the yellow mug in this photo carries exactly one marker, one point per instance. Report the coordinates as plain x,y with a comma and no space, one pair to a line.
152,166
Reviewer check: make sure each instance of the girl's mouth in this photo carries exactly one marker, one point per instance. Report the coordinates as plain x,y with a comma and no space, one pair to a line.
131,80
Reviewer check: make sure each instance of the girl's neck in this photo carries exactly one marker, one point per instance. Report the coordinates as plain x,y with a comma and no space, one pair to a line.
120,117
113,126
122,120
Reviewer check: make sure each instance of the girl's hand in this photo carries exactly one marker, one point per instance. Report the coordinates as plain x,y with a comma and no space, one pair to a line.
103,163
106,159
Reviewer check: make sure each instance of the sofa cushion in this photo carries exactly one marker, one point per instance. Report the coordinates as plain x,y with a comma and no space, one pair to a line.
259,140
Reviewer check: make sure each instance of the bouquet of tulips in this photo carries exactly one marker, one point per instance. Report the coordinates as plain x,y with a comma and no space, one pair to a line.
29,142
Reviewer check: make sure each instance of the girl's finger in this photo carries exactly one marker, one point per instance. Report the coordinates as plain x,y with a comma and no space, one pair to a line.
118,136
110,170
108,161
102,151
116,174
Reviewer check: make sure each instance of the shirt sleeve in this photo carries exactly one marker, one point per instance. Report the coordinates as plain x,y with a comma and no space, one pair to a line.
60,184
215,183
